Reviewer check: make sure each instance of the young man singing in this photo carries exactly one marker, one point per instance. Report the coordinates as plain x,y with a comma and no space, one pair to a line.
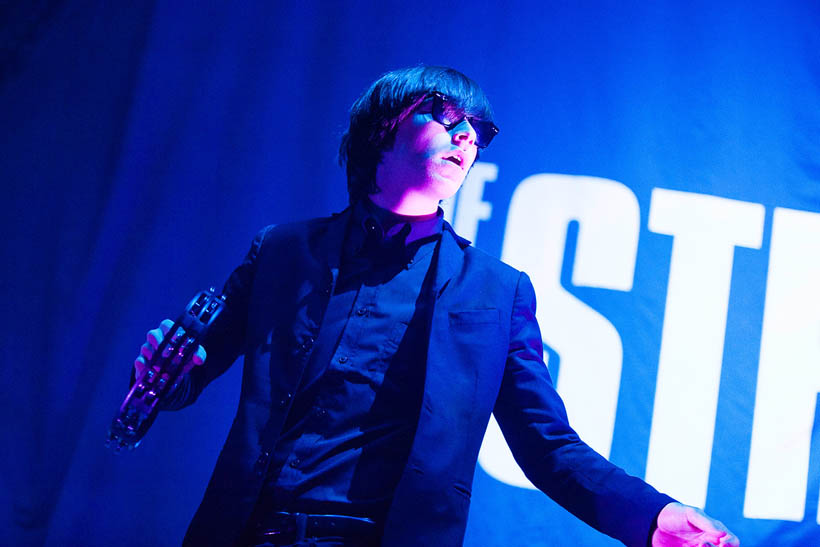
377,343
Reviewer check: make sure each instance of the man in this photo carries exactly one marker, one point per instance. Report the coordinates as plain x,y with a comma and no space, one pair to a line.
377,342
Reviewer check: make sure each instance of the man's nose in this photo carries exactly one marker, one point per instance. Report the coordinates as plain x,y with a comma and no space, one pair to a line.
464,133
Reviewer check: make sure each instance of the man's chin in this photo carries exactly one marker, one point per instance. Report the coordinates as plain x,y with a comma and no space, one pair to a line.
446,187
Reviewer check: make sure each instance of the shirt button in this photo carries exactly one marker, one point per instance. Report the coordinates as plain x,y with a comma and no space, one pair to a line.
307,344
261,462
343,359
361,311
295,462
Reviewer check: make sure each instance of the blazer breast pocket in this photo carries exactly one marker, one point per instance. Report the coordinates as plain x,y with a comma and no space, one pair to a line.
483,316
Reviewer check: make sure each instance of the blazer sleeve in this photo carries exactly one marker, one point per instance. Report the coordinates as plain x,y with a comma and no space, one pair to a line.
534,422
225,338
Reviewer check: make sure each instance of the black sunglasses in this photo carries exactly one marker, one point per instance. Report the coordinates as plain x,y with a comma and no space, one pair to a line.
449,114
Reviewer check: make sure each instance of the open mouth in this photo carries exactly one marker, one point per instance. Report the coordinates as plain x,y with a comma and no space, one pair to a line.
454,159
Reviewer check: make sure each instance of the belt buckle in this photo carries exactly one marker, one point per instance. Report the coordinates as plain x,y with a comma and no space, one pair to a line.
284,531
276,536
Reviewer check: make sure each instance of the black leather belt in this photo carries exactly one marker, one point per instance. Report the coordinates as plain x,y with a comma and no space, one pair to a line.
282,528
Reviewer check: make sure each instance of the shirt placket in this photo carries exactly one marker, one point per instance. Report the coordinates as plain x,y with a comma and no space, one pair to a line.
344,358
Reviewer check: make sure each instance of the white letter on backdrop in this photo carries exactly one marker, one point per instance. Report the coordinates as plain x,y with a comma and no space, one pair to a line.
788,377
706,230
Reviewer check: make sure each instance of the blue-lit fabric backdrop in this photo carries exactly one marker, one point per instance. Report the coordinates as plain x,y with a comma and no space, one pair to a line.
657,174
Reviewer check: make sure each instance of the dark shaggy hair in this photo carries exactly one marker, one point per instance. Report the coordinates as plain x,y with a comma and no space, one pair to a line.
377,113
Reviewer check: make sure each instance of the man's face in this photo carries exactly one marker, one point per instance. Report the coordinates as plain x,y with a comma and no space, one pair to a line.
427,159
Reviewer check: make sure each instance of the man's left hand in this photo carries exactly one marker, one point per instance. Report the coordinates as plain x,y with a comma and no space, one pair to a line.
684,526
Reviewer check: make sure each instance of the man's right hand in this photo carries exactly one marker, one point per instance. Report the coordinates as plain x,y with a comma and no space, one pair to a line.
152,342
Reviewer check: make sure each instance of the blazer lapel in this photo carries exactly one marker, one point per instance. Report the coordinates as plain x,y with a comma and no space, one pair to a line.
327,242
450,260
424,491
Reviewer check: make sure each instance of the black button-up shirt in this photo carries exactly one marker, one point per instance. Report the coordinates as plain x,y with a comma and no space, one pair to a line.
349,432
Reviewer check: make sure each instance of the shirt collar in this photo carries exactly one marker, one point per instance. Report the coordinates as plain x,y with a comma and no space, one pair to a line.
386,225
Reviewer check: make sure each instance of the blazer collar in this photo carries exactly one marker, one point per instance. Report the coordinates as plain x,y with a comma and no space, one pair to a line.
330,238
450,259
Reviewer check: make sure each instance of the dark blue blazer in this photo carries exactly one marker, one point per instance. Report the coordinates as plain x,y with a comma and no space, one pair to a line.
485,355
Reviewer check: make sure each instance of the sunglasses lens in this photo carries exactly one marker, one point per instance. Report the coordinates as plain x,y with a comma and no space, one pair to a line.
484,131
445,113
448,114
